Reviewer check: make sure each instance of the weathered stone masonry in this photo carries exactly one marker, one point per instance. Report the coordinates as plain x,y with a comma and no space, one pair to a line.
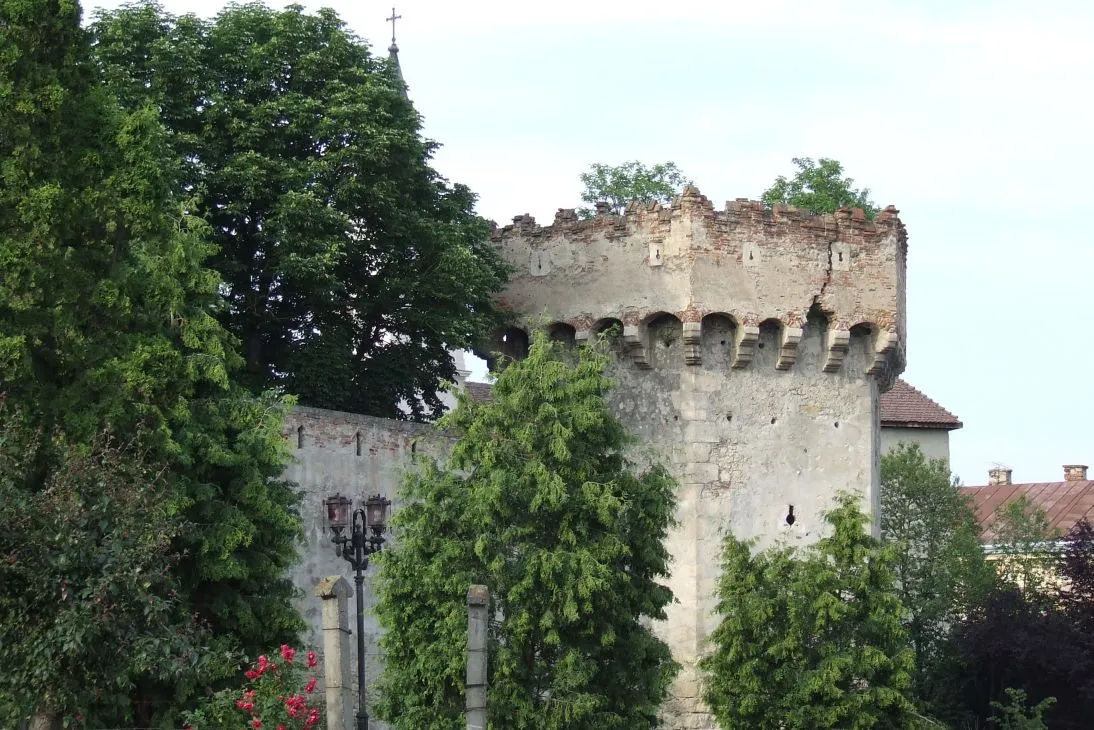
753,347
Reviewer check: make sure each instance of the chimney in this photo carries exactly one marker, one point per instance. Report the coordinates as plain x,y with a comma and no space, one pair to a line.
998,475
1074,472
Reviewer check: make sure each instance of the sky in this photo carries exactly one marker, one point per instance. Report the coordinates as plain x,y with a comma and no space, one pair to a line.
972,118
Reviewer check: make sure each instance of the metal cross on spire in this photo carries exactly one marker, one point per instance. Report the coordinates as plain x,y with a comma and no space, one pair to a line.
392,20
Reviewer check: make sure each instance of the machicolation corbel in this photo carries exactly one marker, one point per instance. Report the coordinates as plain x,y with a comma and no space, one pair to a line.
836,344
788,347
693,353
745,346
634,337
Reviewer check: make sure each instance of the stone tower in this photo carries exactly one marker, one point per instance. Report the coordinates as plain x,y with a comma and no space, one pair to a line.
753,346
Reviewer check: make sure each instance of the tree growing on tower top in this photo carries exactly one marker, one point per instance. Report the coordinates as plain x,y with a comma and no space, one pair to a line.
631,181
819,187
539,502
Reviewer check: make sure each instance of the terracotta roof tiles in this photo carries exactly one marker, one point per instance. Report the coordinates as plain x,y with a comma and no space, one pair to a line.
1065,503
906,407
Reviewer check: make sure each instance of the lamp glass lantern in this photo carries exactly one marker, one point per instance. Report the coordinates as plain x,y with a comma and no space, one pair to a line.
338,512
376,508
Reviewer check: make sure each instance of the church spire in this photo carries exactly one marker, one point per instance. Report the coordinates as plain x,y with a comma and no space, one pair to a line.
393,55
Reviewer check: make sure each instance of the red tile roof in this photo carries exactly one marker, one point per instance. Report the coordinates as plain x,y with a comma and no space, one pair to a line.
905,407
1065,503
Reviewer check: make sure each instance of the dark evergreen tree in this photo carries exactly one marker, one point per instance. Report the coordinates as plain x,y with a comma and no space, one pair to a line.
539,503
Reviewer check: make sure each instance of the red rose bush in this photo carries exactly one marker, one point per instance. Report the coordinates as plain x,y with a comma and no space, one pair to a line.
277,695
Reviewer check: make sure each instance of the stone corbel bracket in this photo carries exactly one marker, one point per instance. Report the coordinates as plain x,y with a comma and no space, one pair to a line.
887,353
635,341
745,345
836,344
788,347
693,352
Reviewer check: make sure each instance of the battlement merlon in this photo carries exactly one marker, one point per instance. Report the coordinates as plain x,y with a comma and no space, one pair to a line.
748,262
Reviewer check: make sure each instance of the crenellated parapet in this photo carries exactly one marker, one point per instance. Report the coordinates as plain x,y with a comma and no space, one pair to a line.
752,269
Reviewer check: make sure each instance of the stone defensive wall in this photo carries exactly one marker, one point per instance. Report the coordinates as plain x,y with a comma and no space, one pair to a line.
741,268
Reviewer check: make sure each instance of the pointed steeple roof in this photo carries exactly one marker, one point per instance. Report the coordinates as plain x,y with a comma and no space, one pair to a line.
393,56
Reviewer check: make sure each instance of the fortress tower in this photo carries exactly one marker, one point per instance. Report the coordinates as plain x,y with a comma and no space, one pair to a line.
754,345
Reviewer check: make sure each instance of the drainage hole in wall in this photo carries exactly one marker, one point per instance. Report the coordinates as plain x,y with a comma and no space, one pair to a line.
723,342
729,416
760,345
676,418
773,421
836,424
790,518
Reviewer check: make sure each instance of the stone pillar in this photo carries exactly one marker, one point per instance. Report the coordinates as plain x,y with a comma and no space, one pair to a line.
335,591
45,719
478,601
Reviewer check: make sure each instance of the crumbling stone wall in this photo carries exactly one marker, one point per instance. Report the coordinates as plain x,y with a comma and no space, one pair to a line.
752,348
754,345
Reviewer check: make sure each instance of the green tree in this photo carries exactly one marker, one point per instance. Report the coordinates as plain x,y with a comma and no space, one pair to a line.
940,567
1015,715
107,321
539,503
811,640
89,602
618,185
1024,540
350,266
819,187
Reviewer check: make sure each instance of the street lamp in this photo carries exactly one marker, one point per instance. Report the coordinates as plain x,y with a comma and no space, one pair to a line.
356,549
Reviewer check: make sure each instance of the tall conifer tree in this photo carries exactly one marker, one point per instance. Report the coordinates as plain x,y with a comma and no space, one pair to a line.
539,503
811,640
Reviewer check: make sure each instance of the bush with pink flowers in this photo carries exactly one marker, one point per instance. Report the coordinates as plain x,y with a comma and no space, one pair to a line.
276,695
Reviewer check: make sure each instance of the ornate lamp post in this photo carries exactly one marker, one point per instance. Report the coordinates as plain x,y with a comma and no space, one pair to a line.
356,549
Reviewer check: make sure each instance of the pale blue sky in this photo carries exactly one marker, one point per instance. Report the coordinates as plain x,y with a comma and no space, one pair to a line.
973,118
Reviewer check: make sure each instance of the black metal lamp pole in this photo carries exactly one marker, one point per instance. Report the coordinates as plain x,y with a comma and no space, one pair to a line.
356,549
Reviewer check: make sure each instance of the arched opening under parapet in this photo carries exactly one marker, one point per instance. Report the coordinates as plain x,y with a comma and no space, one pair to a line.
664,335
511,343
610,327
718,334
767,344
860,351
562,332
610,330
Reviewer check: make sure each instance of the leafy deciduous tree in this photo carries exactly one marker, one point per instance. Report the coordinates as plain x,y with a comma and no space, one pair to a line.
811,640
1022,542
618,185
539,503
107,320
350,267
819,187
88,601
940,567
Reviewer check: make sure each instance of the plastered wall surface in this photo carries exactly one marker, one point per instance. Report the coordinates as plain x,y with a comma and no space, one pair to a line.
356,456
934,442
751,348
